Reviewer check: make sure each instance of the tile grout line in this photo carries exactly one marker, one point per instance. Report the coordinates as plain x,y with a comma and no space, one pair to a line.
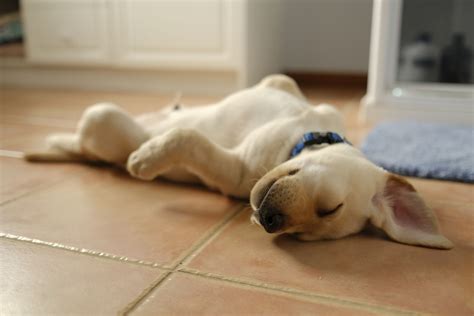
20,155
214,233
145,293
35,190
210,235
296,293
178,268
83,251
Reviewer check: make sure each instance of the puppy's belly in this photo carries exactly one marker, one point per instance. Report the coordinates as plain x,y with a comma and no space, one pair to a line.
181,175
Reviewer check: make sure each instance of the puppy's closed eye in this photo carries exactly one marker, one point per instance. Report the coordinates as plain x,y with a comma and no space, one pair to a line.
293,172
324,212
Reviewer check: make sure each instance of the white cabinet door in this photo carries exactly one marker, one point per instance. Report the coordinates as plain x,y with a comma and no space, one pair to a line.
67,31
178,33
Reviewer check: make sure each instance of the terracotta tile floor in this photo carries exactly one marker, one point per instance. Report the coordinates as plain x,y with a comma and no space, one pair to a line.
91,240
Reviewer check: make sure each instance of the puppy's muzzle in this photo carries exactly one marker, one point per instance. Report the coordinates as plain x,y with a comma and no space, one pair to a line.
273,198
271,219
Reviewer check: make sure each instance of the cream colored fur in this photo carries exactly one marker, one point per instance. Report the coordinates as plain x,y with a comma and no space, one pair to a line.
240,146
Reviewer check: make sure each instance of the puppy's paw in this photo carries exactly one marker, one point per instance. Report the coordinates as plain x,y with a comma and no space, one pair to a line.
140,164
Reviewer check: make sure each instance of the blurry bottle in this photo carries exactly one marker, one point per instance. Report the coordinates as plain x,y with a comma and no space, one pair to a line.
419,60
456,61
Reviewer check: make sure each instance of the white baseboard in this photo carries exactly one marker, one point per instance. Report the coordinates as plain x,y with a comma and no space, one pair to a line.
19,73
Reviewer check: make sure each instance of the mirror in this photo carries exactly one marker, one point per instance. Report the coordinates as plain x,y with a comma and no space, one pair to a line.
436,42
421,62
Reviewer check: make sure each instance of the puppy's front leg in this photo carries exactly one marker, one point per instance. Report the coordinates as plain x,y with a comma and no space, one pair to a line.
216,166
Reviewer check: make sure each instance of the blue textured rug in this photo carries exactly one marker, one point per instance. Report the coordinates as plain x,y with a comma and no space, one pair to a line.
423,150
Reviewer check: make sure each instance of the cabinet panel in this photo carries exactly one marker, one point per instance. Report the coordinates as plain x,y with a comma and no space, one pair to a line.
175,26
176,33
67,31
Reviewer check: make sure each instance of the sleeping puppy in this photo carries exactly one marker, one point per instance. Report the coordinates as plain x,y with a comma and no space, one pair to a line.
266,143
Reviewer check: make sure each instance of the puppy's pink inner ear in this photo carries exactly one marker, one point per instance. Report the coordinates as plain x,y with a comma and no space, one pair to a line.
404,216
408,208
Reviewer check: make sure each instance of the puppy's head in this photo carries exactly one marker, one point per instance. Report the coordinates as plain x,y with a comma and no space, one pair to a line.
333,192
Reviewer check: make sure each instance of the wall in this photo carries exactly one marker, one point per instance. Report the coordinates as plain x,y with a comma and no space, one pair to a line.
326,35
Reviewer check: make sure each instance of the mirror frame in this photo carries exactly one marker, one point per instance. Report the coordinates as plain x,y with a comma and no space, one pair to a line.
388,99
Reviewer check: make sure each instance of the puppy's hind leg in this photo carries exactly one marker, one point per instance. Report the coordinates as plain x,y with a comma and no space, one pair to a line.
109,133
284,83
105,132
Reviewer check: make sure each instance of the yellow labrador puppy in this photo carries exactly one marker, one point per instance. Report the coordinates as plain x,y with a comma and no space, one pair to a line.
266,143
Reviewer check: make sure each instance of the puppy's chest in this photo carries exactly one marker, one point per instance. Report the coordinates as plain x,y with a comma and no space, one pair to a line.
232,129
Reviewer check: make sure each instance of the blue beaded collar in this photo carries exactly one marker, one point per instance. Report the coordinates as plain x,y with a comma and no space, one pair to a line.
317,138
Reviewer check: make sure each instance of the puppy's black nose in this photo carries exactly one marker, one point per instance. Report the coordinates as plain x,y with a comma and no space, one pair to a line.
272,220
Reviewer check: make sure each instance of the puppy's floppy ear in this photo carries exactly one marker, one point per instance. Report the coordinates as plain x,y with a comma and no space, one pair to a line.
405,217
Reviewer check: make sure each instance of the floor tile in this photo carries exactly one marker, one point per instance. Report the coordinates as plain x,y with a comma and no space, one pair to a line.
18,177
444,190
26,137
184,294
105,209
38,280
69,105
363,268
456,221
44,103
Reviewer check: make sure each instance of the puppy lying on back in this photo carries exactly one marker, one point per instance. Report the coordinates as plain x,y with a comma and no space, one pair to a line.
266,143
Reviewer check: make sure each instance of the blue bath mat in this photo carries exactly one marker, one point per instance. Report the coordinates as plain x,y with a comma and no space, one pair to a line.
423,150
